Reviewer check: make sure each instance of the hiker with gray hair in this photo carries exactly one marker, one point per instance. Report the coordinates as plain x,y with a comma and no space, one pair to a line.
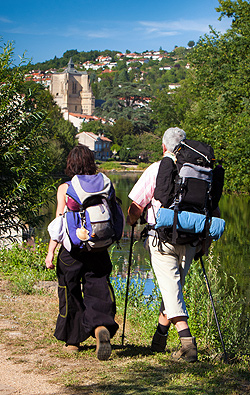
170,265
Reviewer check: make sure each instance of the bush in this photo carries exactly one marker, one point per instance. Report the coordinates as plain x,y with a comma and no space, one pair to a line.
24,266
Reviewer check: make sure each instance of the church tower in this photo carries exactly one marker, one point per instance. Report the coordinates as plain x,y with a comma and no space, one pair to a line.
72,91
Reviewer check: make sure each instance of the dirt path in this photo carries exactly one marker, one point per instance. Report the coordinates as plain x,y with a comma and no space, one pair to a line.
19,370
32,361
14,379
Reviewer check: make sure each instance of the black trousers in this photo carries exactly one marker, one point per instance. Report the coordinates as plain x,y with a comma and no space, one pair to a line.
86,297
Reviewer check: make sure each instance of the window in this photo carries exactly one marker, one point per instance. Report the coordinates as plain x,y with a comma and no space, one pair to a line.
74,88
75,108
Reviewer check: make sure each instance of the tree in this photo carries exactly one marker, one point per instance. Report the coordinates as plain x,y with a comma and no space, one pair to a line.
121,128
129,101
218,90
163,111
180,52
64,132
61,144
95,127
25,163
124,154
191,44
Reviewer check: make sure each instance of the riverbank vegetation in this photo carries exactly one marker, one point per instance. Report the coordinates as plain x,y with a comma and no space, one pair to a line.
32,311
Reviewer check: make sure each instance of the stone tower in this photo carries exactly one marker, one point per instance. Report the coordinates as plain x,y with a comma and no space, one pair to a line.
72,91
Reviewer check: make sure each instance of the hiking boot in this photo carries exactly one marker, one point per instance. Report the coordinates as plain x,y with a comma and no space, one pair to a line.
103,346
71,348
159,342
188,350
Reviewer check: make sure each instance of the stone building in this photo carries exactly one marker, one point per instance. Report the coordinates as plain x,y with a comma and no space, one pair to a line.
100,144
72,91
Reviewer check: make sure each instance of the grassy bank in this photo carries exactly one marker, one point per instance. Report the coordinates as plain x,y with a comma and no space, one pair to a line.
28,316
121,166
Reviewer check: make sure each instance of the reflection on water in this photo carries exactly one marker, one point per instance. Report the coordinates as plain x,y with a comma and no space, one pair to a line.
232,250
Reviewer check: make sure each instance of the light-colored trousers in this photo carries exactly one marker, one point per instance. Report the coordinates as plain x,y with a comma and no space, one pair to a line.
170,268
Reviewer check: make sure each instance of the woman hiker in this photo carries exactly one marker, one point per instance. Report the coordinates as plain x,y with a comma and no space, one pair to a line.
83,273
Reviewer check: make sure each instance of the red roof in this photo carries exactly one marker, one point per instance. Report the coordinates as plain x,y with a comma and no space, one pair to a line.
95,136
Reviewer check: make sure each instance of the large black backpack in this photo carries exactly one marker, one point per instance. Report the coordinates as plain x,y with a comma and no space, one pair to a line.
191,184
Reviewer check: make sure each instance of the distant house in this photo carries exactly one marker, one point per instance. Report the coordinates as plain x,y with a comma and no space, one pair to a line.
174,86
100,144
165,68
78,119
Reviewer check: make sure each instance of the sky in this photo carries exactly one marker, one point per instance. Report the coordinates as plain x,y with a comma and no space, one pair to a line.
45,29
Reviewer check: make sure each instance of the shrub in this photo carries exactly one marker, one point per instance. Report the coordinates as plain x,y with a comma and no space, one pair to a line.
24,265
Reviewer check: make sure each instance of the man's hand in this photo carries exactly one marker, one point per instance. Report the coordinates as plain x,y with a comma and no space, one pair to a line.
134,213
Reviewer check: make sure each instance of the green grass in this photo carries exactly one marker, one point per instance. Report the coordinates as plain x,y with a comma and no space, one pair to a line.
132,369
110,166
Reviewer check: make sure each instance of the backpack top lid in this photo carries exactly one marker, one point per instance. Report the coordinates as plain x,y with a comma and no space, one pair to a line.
194,152
84,186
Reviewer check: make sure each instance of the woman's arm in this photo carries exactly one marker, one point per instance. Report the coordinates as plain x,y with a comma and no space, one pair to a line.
61,199
61,203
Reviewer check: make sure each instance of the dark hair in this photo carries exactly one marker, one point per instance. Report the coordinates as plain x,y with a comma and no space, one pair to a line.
80,161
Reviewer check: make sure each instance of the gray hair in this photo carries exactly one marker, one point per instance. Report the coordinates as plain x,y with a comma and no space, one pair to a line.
172,137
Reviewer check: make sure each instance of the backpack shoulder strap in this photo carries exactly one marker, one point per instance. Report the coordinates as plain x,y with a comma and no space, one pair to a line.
84,186
164,189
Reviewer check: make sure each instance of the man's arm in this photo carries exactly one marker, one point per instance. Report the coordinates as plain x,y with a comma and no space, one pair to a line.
134,213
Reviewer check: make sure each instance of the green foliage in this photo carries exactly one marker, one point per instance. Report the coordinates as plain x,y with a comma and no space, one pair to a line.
163,111
25,131
227,303
212,104
191,43
110,166
127,100
124,154
121,128
77,57
234,247
24,266
115,148
180,52
61,144
218,87
145,147
63,138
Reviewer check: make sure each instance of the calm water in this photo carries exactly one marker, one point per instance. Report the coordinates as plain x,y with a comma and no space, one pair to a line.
232,250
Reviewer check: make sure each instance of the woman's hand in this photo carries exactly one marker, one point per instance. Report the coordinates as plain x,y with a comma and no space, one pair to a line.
50,255
49,260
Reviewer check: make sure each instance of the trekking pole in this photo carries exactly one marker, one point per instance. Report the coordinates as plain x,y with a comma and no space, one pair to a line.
212,302
129,268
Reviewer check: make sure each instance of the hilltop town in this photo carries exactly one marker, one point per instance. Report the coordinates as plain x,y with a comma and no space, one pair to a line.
84,84
110,64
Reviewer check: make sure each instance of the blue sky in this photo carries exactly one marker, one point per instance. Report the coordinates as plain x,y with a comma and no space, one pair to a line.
45,29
